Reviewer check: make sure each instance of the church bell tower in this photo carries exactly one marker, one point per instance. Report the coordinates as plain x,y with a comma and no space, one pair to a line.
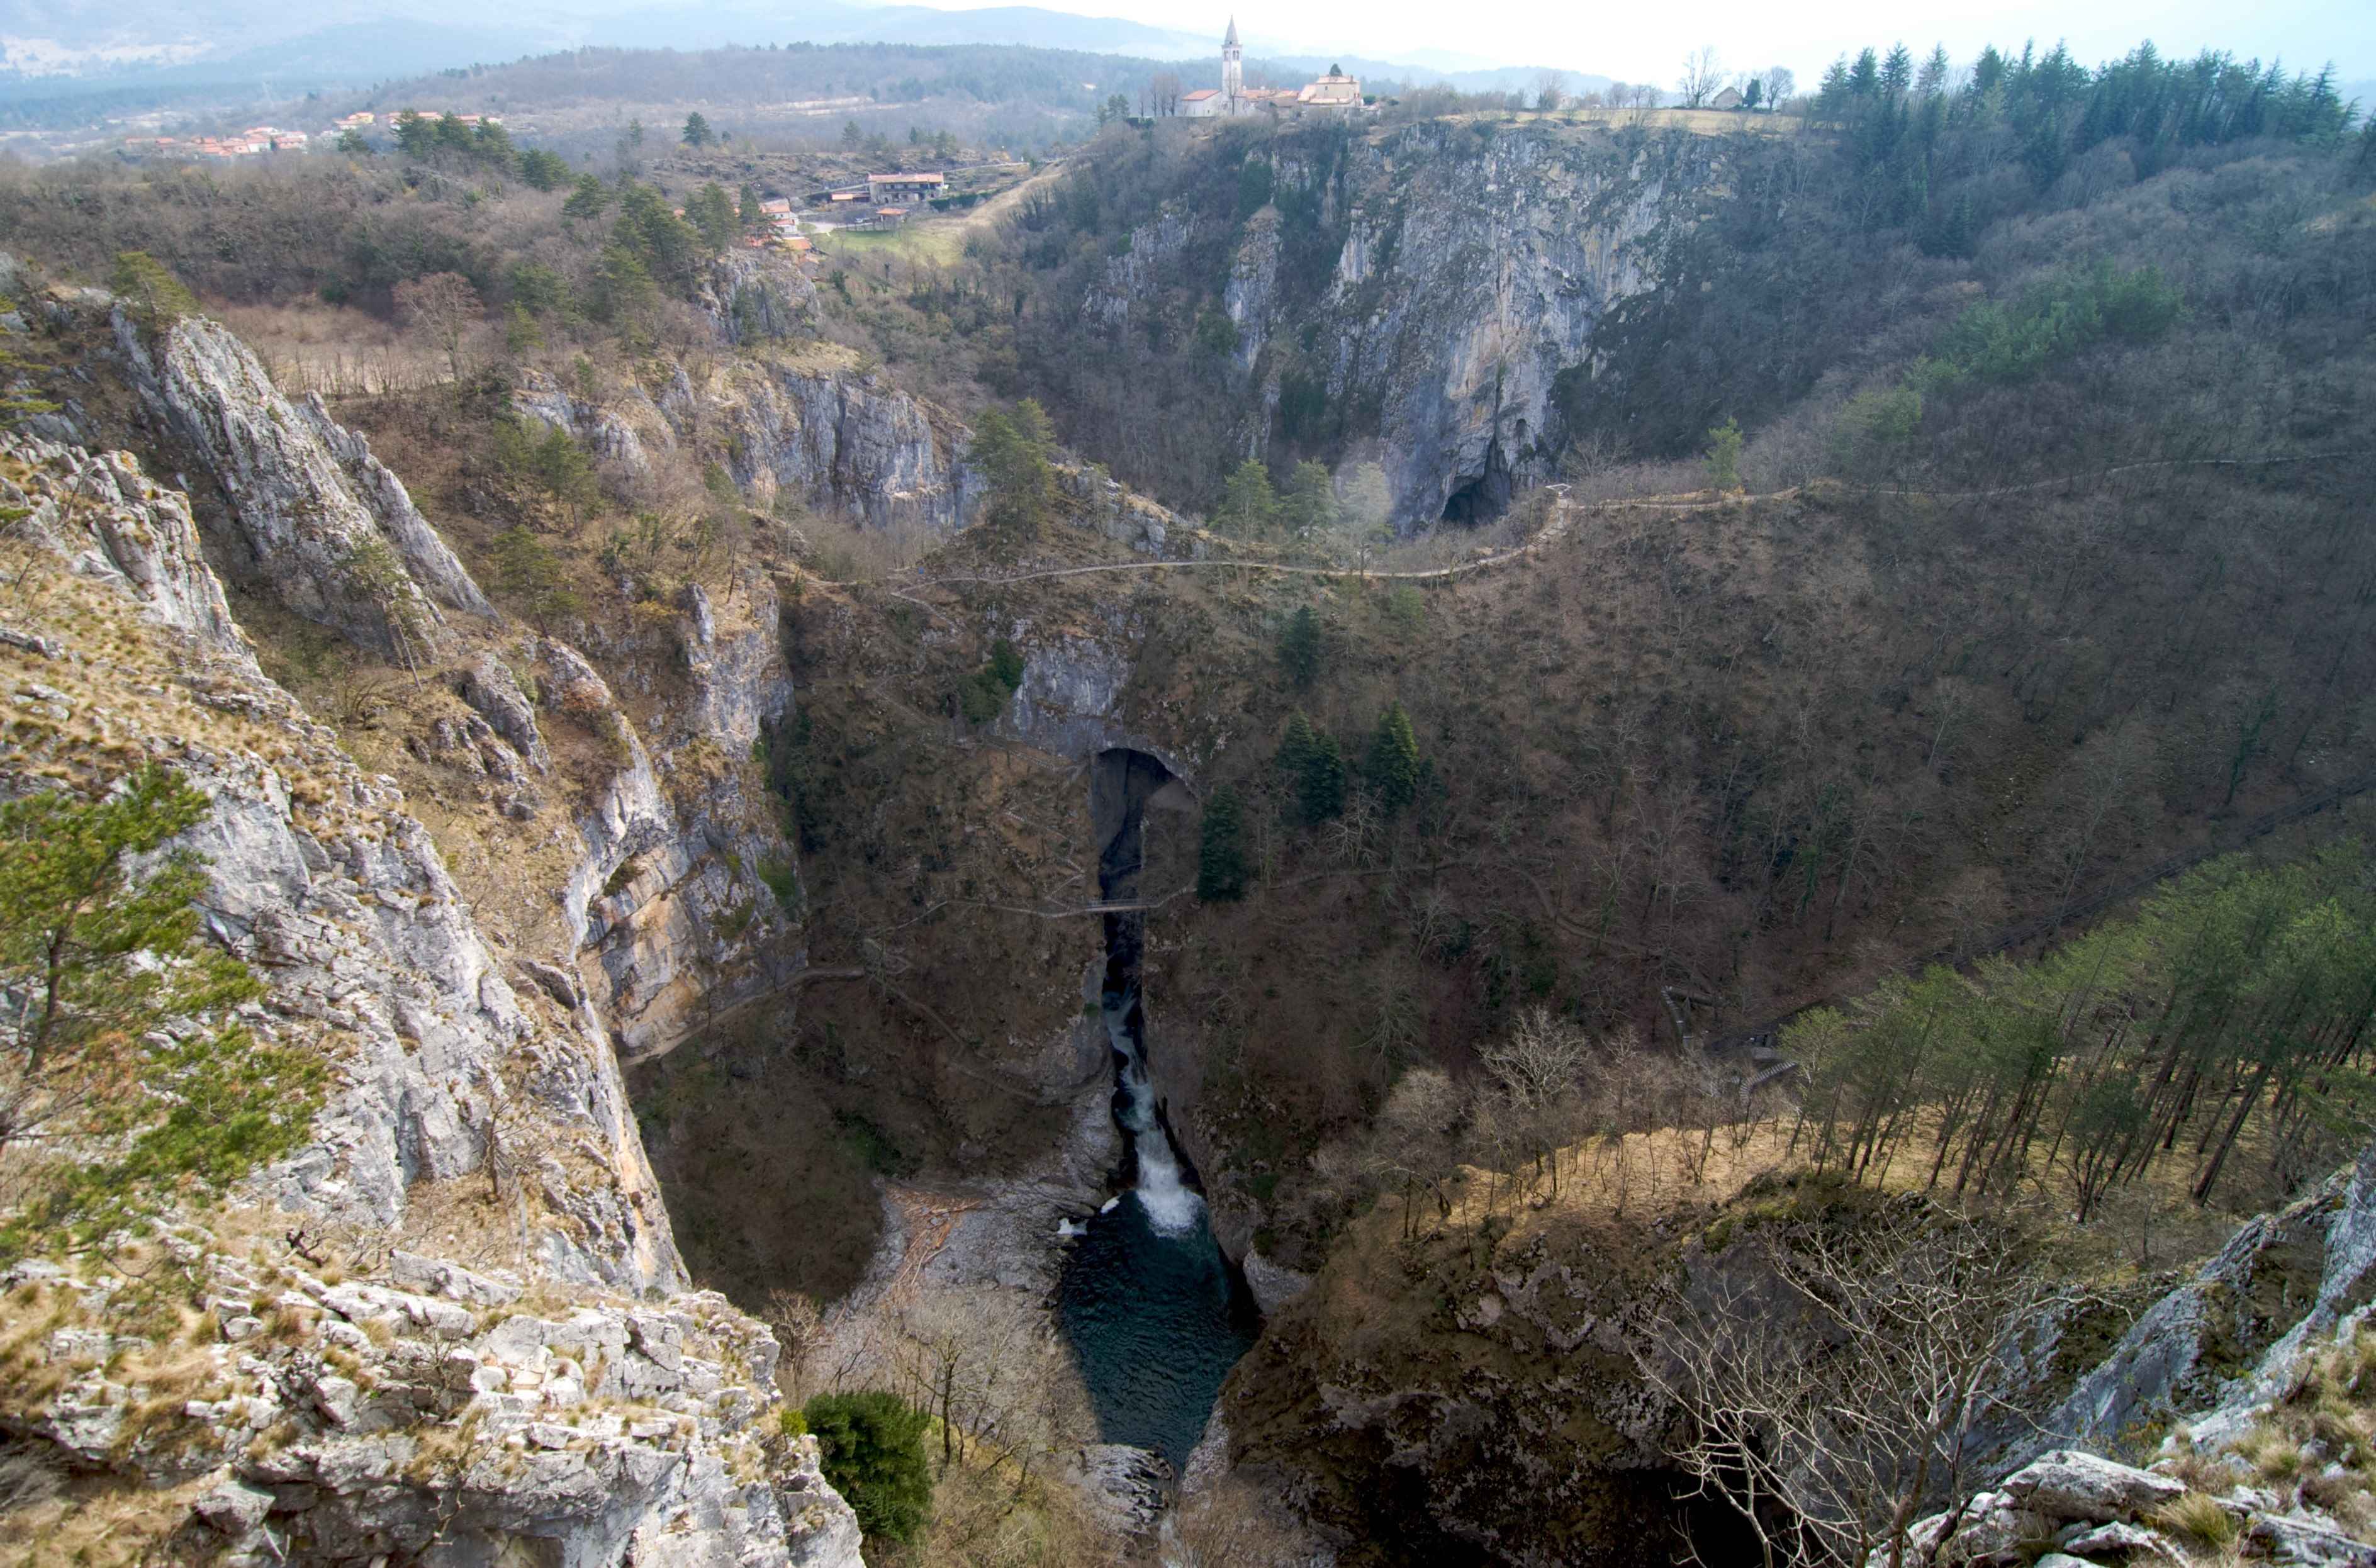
1233,75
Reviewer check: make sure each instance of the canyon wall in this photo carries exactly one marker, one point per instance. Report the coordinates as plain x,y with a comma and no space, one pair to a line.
1439,284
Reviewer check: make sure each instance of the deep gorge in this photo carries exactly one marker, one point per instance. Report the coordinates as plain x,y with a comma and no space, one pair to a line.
1156,1313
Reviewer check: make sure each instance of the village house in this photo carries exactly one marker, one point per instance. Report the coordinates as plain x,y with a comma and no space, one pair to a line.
1334,90
1729,99
908,189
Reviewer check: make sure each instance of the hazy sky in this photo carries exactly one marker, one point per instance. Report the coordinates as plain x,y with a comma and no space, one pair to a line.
1647,43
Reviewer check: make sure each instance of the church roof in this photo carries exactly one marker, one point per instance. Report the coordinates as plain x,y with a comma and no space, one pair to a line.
1231,42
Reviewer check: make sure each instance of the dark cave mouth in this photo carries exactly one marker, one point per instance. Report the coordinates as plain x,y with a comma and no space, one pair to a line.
1482,497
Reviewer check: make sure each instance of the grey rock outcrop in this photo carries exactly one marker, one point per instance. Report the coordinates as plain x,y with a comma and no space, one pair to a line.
573,1405
308,513
2076,1484
2285,1282
2070,1496
340,898
139,534
490,686
619,431
446,1425
670,914
1125,517
828,435
839,440
755,296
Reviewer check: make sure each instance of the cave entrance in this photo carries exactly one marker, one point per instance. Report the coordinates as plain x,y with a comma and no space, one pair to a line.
1481,497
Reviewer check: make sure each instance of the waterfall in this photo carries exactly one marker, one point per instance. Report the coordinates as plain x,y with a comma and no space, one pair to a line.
1155,1313
1173,1207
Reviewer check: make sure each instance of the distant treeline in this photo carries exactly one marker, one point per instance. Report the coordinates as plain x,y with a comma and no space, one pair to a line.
780,74
1804,259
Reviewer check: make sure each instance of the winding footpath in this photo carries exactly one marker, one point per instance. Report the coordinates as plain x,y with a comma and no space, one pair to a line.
1563,523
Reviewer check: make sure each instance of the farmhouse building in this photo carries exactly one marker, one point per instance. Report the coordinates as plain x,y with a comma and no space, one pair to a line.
908,188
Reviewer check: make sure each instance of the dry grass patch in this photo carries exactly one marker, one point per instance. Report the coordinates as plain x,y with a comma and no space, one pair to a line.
2198,1520
93,1521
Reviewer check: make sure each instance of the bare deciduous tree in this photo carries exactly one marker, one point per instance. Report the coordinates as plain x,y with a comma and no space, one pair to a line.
1539,1058
1829,1379
992,1371
1412,1144
1703,73
444,308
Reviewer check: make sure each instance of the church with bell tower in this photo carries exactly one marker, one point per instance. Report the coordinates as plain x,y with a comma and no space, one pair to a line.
1335,91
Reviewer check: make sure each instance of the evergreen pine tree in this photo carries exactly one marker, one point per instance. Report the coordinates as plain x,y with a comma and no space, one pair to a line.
1010,448
1299,648
1320,791
1221,853
1294,745
1393,760
1724,456
871,1449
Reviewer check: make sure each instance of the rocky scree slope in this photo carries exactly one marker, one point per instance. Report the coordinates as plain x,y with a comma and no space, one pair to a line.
314,1403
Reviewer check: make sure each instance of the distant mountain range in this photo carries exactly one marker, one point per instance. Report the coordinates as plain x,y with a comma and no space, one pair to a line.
62,47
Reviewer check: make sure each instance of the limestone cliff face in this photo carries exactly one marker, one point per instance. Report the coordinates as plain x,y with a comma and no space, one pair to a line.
821,431
669,907
484,1382
1435,281
756,297
309,513
669,852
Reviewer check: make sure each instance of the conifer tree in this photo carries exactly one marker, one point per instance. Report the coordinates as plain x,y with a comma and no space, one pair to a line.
1221,852
1249,506
871,1449
1010,448
1393,760
1294,745
1724,456
117,1042
1299,648
1319,790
